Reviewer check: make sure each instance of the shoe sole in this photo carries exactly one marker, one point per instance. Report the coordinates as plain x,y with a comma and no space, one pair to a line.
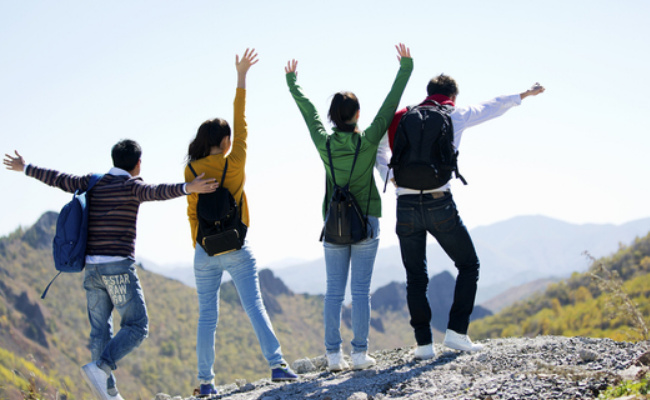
459,349
90,383
363,366
283,379
338,368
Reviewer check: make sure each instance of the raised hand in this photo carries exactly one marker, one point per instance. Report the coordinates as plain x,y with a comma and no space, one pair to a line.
533,91
247,60
402,51
200,185
291,67
14,163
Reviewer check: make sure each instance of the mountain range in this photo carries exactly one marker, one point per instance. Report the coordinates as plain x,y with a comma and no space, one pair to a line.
47,340
512,253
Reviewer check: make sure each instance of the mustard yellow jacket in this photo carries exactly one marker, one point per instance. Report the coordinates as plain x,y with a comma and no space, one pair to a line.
213,166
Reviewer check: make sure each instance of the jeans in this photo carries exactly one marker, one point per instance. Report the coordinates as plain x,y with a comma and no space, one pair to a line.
416,215
114,285
208,271
338,258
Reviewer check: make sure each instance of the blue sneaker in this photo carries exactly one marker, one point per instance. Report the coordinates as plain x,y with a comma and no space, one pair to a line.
283,373
207,390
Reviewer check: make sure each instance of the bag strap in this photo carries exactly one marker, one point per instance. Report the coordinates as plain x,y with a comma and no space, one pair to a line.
329,155
223,176
93,180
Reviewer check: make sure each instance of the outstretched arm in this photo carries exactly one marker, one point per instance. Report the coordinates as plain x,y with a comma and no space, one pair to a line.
200,185
14,163
248,59
533,91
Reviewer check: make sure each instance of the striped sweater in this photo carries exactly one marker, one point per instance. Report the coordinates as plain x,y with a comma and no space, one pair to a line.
113,207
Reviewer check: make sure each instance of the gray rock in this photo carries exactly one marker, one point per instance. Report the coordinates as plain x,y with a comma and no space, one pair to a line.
588,355
358,396
303,366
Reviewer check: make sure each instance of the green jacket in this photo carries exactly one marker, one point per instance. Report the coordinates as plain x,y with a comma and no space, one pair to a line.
343,144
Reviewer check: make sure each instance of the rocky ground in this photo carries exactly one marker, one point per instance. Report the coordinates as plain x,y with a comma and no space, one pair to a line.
546,367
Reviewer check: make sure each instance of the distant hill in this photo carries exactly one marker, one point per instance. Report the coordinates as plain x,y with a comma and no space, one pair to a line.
392,298
517,293
48,339
611,299
512,252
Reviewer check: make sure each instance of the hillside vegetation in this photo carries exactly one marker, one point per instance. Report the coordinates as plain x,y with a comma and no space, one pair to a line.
610,300
46,341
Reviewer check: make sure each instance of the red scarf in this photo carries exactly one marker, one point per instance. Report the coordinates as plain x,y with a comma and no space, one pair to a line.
441,99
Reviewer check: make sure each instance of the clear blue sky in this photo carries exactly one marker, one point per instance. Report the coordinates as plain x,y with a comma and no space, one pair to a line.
78,76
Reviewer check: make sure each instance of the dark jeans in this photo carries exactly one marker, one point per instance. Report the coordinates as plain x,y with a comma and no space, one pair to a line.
416,215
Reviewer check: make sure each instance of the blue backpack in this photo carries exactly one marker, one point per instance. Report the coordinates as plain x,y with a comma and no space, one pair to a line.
69,244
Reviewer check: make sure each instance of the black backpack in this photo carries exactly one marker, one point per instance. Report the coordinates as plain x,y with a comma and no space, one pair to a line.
423,153
221,229
344,221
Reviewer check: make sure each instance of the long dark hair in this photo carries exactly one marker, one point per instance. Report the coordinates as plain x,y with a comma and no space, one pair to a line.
210,134
343,108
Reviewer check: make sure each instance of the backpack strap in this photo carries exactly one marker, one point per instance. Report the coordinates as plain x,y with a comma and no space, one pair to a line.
329,155
223,176
93,180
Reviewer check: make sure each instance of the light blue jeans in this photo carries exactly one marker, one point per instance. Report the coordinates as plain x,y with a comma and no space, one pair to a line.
339,260
208,271
114,285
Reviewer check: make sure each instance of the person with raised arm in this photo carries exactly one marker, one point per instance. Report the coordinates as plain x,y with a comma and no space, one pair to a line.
348,155
215,154
433,210
111,281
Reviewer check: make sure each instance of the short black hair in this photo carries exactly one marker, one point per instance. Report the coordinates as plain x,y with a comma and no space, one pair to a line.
126,153
442,84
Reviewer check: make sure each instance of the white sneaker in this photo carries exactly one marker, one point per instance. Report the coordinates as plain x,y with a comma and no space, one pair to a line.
362,360
96,379
457,341
425,352
335,361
